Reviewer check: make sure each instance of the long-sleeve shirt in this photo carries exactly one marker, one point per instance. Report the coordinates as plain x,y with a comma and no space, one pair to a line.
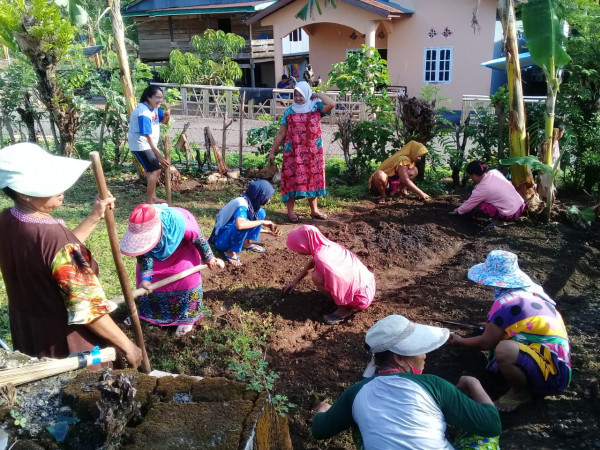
406,411
495,189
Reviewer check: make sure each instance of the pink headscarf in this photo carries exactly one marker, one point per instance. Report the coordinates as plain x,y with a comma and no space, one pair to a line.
342,271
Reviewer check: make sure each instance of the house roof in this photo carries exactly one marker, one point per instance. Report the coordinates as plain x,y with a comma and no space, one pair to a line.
178,7
382,8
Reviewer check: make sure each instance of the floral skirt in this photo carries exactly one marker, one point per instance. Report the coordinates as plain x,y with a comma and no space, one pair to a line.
171,308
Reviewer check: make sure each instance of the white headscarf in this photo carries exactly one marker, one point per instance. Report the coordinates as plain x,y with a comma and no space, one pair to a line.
304,88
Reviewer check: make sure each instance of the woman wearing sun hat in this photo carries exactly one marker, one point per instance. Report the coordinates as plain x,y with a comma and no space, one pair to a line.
524,332
55,300
166,241
397,407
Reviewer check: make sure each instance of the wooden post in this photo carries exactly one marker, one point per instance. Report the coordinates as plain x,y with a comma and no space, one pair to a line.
167,148
242,128
118,30
113,236
209,140
184,101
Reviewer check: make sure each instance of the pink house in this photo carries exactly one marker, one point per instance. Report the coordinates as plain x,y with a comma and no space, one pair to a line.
424,41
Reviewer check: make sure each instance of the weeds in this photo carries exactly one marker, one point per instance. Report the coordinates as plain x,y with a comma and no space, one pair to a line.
249,364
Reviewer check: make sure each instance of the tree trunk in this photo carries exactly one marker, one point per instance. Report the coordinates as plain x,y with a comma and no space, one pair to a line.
118,29
28,118
521,175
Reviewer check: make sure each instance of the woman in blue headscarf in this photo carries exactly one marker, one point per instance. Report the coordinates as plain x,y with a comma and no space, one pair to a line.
239,222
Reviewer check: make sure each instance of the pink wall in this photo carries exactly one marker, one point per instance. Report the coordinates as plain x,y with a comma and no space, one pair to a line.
406,41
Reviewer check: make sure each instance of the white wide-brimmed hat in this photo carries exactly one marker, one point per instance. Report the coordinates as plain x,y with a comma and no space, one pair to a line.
500,269
401,336
28,169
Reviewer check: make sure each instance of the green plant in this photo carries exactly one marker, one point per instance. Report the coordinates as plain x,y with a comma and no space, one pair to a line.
210,64
249,364
18,419
262,137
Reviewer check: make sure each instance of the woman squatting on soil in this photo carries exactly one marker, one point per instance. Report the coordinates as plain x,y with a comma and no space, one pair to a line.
56,303
144,134
396,407
303,167
336,272
167,241
493,194
396,173
524,331
240,222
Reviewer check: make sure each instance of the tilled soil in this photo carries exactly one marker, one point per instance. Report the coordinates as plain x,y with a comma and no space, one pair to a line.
420,256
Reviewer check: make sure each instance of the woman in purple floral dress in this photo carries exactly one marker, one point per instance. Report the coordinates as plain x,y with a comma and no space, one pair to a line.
303,168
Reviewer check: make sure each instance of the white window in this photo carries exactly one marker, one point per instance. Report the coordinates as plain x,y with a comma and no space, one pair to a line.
296,35
437,64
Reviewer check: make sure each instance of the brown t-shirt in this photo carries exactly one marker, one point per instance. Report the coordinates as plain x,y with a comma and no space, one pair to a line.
39,320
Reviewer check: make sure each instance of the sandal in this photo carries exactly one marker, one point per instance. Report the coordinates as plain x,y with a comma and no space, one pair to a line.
504,404
183,329
294,218
319,216
334,319
255,248
233,260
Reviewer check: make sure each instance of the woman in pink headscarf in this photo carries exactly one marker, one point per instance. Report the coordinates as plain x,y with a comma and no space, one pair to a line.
338,273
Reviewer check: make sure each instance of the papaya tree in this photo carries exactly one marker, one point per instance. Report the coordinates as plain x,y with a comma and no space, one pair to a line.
543,29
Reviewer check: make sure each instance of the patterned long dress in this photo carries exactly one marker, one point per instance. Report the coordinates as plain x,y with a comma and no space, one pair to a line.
177,303
303,168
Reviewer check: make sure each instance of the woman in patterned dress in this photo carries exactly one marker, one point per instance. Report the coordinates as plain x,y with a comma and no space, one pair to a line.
56,304
167,241
303,167
524,332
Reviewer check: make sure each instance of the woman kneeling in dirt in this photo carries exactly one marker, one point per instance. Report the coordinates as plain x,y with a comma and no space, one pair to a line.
398,407
526,335
167,241
239,222
396,173
338,273
493,194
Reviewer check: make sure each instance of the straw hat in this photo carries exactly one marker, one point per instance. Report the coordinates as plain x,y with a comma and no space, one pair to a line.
500,269
143,232
401,336
28,169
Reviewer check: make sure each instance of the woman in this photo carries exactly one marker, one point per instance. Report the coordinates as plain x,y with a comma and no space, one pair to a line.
239,223
525,334
167,241
493,194
397,407
303,167
396,173
144,134
55,300
337,273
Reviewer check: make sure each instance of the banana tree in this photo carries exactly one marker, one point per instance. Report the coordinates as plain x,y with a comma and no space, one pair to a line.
543,27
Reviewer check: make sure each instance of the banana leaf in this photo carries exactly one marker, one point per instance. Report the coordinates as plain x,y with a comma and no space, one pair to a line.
531,161
543,29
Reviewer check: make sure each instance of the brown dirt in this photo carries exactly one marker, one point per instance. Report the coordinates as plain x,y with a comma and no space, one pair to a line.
420,256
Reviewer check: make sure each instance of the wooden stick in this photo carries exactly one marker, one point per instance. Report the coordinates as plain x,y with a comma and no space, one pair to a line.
167,147
113,236
243,105
178,276
43,369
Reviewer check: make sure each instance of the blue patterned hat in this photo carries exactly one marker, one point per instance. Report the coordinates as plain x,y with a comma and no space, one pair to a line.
500,269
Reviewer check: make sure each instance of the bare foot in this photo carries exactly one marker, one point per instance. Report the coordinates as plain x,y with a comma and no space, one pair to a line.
155,200
381,201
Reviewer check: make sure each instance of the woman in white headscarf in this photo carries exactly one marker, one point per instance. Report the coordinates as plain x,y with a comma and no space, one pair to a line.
303,168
